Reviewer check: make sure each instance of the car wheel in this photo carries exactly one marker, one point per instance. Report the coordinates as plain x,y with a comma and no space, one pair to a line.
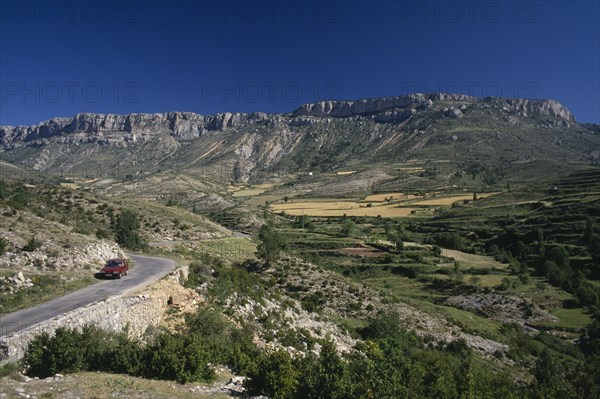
119,275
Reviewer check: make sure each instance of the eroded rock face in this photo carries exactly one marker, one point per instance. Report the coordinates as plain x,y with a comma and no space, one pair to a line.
544,107
108,128
343,109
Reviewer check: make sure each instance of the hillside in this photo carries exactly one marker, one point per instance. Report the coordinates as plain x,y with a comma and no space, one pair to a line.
449,240
320,136
53,239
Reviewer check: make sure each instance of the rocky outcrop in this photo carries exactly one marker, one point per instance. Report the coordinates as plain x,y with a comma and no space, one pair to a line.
87,127
111,128
13,284
395,114
526,106
343,109
77,257
503,308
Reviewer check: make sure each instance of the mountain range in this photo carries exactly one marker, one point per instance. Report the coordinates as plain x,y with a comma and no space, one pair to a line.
322,136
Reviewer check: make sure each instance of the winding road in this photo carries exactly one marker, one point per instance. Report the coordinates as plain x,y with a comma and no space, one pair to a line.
146,269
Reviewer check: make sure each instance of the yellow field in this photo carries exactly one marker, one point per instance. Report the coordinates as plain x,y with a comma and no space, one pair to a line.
339,208
394,196
317,205
450,200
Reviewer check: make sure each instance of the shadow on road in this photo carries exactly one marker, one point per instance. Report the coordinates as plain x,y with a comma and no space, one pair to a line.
102,276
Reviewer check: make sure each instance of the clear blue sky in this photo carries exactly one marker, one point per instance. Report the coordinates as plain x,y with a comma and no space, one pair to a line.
59,58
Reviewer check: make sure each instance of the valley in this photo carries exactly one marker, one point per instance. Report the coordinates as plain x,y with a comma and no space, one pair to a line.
439,236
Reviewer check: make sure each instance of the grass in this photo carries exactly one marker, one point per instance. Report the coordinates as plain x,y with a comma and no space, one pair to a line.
105,385
9,368
572,318
231,249
471,260
45,288
471,322
402,287
252,191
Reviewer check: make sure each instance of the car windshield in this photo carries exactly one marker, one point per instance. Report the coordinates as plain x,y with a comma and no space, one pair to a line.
113,263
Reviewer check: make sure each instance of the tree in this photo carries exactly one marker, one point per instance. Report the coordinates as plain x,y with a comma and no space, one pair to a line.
595,252
456,273
126,230
3,246
588,234
237,172
475,281
274,374
3,190
271,244
348,227
546,374
306,223
396,238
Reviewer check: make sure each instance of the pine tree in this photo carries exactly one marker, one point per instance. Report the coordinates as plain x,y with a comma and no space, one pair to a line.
271,244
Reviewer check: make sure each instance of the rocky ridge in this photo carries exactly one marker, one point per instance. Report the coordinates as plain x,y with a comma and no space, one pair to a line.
111,128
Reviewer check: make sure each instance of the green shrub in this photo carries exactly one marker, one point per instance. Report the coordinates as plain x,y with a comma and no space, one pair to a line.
10,367
32,245
449,240
4,245
126,229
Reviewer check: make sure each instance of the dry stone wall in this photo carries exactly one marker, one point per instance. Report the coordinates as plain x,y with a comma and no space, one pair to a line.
136,312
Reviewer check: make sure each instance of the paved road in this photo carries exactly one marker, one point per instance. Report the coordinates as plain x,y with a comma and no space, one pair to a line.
146,270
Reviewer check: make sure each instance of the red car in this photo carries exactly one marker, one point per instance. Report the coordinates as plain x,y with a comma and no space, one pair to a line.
115,268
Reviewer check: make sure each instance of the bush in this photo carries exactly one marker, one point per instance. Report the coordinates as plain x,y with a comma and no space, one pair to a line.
181,357
271,244
126,230
9,368
274,375
449,240
177,357
3,246
32,245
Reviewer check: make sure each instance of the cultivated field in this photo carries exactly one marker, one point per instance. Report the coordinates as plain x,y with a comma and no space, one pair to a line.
371,206
251,191
340,208
446,201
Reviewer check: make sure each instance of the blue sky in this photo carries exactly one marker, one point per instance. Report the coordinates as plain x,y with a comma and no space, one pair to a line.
58,58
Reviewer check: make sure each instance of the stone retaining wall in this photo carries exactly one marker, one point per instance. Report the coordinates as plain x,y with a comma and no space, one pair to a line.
135,312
